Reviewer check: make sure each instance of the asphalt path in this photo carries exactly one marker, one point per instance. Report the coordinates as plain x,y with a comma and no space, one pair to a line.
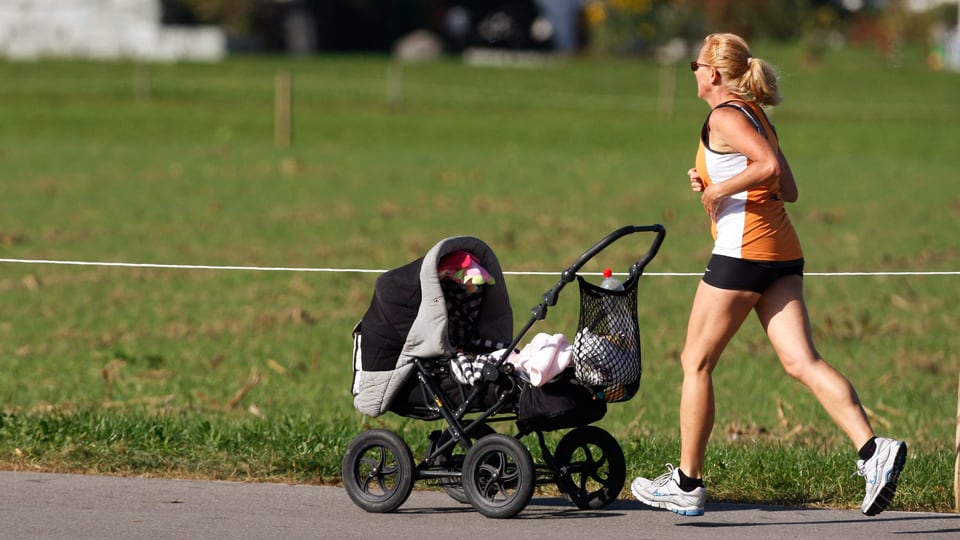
45,506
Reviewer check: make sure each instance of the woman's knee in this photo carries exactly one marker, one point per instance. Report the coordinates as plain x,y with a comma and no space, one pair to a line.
696,364
799,367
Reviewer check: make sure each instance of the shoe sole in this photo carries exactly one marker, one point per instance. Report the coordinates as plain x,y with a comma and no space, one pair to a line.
680,510
885,496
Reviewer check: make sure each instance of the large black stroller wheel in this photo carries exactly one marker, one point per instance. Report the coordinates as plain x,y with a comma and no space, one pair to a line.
498,476
378,471
453,458
592,467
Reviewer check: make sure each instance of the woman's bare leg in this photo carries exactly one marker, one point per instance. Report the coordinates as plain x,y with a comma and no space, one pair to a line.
783,314
715,317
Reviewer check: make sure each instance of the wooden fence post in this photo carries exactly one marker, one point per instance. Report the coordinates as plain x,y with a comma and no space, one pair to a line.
141,82
283,109
666,96
395,83
956,456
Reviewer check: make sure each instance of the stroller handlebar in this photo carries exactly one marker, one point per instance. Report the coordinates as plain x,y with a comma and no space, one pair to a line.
638,266
568,275
539,312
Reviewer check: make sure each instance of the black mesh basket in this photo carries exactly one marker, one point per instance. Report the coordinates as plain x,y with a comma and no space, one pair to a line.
606,350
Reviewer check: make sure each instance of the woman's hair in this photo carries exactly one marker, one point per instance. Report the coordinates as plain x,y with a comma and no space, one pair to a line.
752,79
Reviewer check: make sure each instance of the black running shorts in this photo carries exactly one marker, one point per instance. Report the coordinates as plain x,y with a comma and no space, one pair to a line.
742,275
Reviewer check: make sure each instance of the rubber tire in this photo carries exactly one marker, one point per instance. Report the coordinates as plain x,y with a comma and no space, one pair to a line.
594,461
378,471
498,476
453,486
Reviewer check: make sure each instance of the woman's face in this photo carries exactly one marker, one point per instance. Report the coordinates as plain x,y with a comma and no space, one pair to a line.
703,74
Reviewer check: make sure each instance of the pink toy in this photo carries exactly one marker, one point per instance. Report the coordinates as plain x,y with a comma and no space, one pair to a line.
464,268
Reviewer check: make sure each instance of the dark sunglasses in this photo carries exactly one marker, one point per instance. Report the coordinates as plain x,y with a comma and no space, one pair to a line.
694,65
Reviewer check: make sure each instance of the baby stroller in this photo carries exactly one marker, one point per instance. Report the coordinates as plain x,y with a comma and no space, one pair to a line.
434,347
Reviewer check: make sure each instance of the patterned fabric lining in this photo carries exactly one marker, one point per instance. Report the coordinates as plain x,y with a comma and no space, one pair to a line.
463,309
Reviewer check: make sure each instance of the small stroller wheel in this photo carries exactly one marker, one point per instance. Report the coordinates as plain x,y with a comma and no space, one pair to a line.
452,460
498,476
378,471
591,467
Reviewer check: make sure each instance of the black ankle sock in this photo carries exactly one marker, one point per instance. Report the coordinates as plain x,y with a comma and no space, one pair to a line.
868,449
689,484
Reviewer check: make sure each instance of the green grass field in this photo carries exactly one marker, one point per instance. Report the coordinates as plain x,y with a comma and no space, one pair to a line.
244,374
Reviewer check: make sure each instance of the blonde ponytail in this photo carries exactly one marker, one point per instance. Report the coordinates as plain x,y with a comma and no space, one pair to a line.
748,77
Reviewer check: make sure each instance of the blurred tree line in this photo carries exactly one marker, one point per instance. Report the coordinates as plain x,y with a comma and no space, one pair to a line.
643,26
604,26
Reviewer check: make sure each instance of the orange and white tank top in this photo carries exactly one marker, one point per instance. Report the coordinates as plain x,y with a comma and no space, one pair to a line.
752,224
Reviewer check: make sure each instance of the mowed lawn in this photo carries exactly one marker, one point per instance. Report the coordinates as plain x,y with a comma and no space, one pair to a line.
245,372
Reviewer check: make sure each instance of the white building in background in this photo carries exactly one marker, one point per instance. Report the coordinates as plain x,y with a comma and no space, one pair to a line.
101,30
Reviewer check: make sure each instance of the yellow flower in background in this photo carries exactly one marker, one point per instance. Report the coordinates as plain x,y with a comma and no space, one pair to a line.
595,12
598,11
634,6
636,26
647,31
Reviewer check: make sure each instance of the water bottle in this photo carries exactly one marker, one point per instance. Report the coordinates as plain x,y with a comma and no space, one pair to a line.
614,323
619,354
610,282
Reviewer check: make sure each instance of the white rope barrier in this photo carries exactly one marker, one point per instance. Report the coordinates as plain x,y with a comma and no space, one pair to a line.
374,271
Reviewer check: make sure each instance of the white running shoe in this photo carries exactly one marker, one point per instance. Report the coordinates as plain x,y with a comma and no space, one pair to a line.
664,492
882,472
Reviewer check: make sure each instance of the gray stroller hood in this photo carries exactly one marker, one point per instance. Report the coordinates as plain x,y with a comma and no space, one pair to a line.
407,319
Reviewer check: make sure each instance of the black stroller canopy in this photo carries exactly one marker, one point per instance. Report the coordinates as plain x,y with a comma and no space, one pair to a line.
408,319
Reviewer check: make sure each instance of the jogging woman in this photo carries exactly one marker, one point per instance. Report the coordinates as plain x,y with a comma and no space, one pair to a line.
757,265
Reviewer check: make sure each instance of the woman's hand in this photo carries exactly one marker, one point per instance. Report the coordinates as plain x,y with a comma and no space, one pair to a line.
711,201
709,196
696,183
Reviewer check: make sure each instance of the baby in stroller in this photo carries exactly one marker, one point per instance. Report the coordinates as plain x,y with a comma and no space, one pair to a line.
435,344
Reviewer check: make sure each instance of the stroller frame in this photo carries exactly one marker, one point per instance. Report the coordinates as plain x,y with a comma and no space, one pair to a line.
495,472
